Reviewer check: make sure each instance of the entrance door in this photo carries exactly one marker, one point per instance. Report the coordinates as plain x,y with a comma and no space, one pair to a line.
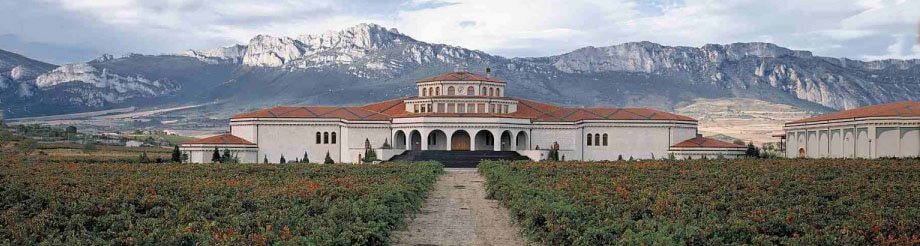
460,141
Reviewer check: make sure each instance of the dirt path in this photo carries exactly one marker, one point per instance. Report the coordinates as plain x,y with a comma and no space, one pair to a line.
457,213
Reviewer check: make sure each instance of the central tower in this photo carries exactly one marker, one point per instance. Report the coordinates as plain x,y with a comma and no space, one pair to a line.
461,92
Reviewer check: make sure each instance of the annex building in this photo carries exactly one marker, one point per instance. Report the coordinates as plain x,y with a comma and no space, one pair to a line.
886,130
460,111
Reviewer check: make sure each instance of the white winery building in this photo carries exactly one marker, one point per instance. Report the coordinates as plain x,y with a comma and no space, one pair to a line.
459,111
887,130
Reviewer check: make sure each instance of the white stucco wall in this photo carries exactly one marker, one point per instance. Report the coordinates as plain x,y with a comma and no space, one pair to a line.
856,138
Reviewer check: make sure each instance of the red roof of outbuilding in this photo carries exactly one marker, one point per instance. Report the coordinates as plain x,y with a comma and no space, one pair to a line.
460,76
536,111
907,109
220,139
701,142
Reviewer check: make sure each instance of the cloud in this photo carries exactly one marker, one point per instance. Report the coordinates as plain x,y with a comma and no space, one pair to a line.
863,29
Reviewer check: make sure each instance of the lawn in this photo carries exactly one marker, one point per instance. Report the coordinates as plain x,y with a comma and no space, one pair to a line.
790,202
188,204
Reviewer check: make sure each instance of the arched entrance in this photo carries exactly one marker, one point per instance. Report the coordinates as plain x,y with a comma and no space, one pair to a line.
484,140
460,140
437,140
415,140
521,141
399,140
506,141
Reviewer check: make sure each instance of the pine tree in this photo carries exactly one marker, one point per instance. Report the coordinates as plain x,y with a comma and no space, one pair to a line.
215,157
176,155
329,159
620,158
265,160
282,159
306,159
386,145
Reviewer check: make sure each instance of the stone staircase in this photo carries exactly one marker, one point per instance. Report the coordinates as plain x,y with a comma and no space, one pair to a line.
457,159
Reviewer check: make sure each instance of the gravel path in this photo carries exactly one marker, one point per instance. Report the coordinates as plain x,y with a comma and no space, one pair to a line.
457,213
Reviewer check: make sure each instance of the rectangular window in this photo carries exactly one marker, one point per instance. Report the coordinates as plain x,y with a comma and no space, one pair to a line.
481,108
461,108
471,108
491,108
416,107
451,108
441,108
505,109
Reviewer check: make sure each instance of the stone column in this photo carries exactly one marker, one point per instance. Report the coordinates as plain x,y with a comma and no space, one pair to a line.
513,142
449,136
873,141
424,139
496,140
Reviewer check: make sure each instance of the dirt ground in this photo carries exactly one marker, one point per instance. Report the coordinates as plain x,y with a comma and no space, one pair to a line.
457,213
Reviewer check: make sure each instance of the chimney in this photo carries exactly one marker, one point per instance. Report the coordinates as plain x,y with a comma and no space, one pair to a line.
488,72
699,135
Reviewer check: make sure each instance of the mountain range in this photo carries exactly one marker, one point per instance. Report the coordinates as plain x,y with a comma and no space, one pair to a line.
368,63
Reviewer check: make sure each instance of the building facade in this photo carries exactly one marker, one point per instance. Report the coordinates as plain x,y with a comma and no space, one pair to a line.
887,130
459,111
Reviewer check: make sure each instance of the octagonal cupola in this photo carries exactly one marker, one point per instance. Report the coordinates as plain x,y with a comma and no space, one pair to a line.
461,92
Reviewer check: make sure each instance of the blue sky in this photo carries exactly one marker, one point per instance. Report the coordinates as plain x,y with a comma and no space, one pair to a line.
62,31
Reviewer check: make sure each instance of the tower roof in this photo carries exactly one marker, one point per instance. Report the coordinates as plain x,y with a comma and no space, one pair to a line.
460,76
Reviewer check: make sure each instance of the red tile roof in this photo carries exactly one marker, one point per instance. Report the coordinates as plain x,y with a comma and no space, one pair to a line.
220,139
907,109
536,111
701,142
460,76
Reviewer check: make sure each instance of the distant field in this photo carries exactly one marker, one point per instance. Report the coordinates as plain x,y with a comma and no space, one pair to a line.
236,204
761,202
75,152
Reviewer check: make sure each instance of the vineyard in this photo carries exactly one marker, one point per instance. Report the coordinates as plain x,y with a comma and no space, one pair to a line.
171,204
789,202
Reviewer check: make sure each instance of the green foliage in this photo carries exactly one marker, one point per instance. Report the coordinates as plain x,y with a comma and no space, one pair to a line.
329,159
90,146
71,130
306,159
282,161
386,144
176,155
5,137
265,160
718,202
143,158
215,156
752,151
188,204
27,146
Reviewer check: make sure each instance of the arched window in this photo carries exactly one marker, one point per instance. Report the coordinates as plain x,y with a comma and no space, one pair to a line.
326,137
424,92
483,91
318,138
589,139
450,91
498,92
437,91
470,91
605,139
597,139
491,92
333,137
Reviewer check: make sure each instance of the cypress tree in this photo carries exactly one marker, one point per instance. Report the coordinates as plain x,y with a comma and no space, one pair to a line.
226,157
282,159
306,159
265,160
176,155
215,157
329,159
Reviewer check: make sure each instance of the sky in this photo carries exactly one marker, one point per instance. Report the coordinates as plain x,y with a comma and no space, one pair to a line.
64,31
